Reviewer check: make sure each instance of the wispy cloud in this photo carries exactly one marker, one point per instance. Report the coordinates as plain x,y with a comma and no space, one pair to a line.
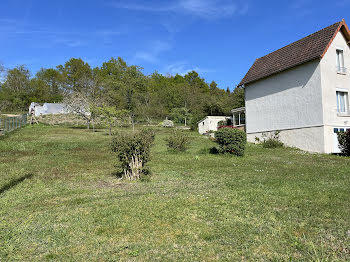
50,37
200,8
155,50
182,68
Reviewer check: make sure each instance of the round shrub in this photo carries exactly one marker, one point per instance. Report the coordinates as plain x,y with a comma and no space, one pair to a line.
232,141
178,141
168,123
344,142
133,152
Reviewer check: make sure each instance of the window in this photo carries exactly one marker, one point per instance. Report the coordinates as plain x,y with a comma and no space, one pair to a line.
239,119
340,61
342,102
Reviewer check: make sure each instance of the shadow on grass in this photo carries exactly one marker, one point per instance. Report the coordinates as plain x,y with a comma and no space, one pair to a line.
144,178
14,183
212,150
79,127
97,129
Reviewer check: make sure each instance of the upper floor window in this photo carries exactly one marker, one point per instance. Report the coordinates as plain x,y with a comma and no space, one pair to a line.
340,61
342,102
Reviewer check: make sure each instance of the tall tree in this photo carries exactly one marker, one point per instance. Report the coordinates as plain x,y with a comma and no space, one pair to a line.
213,86
16,88
237,97
196,81
77,74
54,81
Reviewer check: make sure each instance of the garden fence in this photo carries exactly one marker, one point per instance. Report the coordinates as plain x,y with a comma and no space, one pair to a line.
9,124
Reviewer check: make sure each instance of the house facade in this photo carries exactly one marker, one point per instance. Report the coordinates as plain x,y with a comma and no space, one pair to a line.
302,90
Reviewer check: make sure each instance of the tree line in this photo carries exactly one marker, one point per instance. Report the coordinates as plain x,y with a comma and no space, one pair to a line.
118,86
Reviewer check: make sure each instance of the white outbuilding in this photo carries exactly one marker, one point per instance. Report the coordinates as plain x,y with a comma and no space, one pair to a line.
210,123
48,108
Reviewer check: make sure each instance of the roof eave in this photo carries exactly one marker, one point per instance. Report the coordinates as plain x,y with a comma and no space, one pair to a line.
275,73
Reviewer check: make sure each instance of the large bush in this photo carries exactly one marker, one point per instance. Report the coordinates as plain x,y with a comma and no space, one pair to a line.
133,152
344,142
178,141
232,141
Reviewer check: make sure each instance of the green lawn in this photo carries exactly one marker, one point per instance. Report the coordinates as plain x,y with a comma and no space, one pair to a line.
60,201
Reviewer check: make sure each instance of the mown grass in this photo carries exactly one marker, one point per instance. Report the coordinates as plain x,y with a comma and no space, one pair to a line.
60,201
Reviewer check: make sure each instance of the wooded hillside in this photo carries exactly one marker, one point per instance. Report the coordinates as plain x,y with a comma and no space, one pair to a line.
122,86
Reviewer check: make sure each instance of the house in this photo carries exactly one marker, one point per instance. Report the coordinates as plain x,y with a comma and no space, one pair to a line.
48,108
302,90
210,123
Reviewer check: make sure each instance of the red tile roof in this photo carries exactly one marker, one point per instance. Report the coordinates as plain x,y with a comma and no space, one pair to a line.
297,53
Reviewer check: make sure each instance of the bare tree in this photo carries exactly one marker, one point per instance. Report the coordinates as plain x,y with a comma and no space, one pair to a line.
78,103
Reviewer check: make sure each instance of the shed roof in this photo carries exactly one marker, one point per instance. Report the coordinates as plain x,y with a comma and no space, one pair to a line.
304,50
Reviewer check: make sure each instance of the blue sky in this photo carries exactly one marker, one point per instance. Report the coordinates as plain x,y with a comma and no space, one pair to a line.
218,38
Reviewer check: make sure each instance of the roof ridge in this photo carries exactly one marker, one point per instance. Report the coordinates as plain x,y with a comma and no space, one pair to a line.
301,39
298,52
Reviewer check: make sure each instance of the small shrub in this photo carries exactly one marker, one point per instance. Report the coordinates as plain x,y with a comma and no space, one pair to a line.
344,142
133,152
178,141
272,141
168,123
226,122
222,123
232,141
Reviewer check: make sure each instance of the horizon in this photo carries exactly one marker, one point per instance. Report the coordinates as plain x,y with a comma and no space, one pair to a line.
175,37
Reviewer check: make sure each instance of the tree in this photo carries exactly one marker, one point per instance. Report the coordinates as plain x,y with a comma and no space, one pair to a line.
79,103
117,84
110,115
17,79
76,74
213,86
180,115
16,88
237,96
196,81
54,81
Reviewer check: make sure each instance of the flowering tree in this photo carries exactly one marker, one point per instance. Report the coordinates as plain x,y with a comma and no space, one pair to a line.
80,104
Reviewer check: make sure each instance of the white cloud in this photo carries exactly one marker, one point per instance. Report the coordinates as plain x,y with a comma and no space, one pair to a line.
155,50
208,8
200,8
49,37
182,68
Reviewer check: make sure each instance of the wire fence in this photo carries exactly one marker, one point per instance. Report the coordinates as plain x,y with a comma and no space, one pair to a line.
9,124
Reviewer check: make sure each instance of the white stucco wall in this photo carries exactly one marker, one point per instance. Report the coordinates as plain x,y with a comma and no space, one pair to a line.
288,100
308,139
331,82
210,123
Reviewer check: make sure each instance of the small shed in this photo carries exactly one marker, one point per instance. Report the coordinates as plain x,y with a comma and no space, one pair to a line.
48,108
210,123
